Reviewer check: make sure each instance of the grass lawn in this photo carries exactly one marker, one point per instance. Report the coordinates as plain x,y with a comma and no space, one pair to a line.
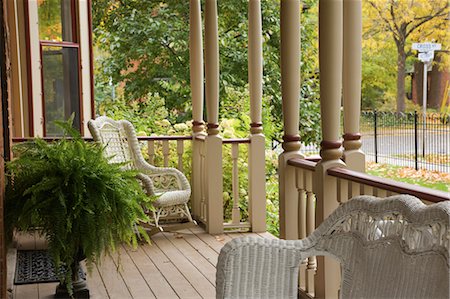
430,179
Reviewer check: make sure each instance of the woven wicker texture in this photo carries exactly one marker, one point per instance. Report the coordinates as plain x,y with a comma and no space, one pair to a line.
388,248
122,146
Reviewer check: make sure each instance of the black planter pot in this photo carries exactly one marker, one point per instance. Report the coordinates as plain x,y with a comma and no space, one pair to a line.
79,285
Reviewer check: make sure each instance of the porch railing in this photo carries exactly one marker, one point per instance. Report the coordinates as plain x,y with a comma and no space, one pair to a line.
235,199
162,143
348,184
179,152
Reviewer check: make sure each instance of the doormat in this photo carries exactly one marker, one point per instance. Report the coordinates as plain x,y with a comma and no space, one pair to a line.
36,266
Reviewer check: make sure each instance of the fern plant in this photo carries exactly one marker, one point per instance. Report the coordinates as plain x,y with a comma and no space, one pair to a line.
83,205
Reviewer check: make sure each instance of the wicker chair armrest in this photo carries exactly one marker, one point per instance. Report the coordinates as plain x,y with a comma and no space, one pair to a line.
147,183
152,171
252,267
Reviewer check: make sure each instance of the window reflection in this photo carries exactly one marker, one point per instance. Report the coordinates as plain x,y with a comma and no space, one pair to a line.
61,86
55,20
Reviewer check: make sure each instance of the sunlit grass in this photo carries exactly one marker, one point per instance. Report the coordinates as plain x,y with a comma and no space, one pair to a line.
430,179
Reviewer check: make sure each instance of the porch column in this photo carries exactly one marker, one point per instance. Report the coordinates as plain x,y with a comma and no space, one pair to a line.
257,171
290,90
214,182
353,156
196,72
330,64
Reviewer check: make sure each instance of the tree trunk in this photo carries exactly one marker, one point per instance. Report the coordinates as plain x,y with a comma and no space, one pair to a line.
401,60
438,82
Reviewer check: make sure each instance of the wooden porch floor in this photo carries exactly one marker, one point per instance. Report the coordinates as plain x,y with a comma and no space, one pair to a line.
175,265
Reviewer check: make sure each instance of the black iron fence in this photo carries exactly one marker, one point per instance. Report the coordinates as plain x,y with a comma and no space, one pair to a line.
403,139
407,139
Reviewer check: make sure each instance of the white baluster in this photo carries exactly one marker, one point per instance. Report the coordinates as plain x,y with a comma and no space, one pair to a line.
203,181
310,226
151,152
343,190
368,190
300,184
180,151
236,214
355,190
381,193
166,152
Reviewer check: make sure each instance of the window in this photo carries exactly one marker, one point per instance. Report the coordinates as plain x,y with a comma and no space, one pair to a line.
60,85
56,20
60,64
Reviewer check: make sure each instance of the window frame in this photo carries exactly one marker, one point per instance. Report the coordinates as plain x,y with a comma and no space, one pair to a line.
73,44
80,90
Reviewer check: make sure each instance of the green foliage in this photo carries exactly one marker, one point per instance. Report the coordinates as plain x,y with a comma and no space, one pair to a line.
83,204
378,83
146,114
389,29
50,24
143,49
272,203
144,46
147,46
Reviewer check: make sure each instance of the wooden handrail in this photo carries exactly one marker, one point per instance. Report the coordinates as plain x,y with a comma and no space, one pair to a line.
162,138
377,182
140,138
389,185
302,163
200,137
237,140
225,141
315,158
48,139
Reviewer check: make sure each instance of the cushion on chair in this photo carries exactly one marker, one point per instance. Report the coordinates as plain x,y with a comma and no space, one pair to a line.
170,198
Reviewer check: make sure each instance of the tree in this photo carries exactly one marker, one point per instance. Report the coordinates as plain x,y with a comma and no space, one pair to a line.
407,21
378,85
146,43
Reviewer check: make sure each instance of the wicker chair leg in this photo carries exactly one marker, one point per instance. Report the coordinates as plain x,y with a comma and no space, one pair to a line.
188,213
156,217
150,228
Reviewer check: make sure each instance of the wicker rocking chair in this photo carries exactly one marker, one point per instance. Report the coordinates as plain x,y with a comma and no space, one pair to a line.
171,185
388,248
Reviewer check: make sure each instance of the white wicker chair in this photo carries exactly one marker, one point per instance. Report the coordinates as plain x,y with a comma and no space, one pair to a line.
171,185
388,248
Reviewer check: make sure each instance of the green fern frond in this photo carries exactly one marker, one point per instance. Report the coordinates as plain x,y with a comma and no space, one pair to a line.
81,201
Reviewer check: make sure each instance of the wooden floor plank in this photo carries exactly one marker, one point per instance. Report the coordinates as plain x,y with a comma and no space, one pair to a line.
153,277
234,235
190,272
47,290
95,283
178,282
137,286
114,283
216,242
267,235
26,291
199,282
176,265
251,234
204,249
194,257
